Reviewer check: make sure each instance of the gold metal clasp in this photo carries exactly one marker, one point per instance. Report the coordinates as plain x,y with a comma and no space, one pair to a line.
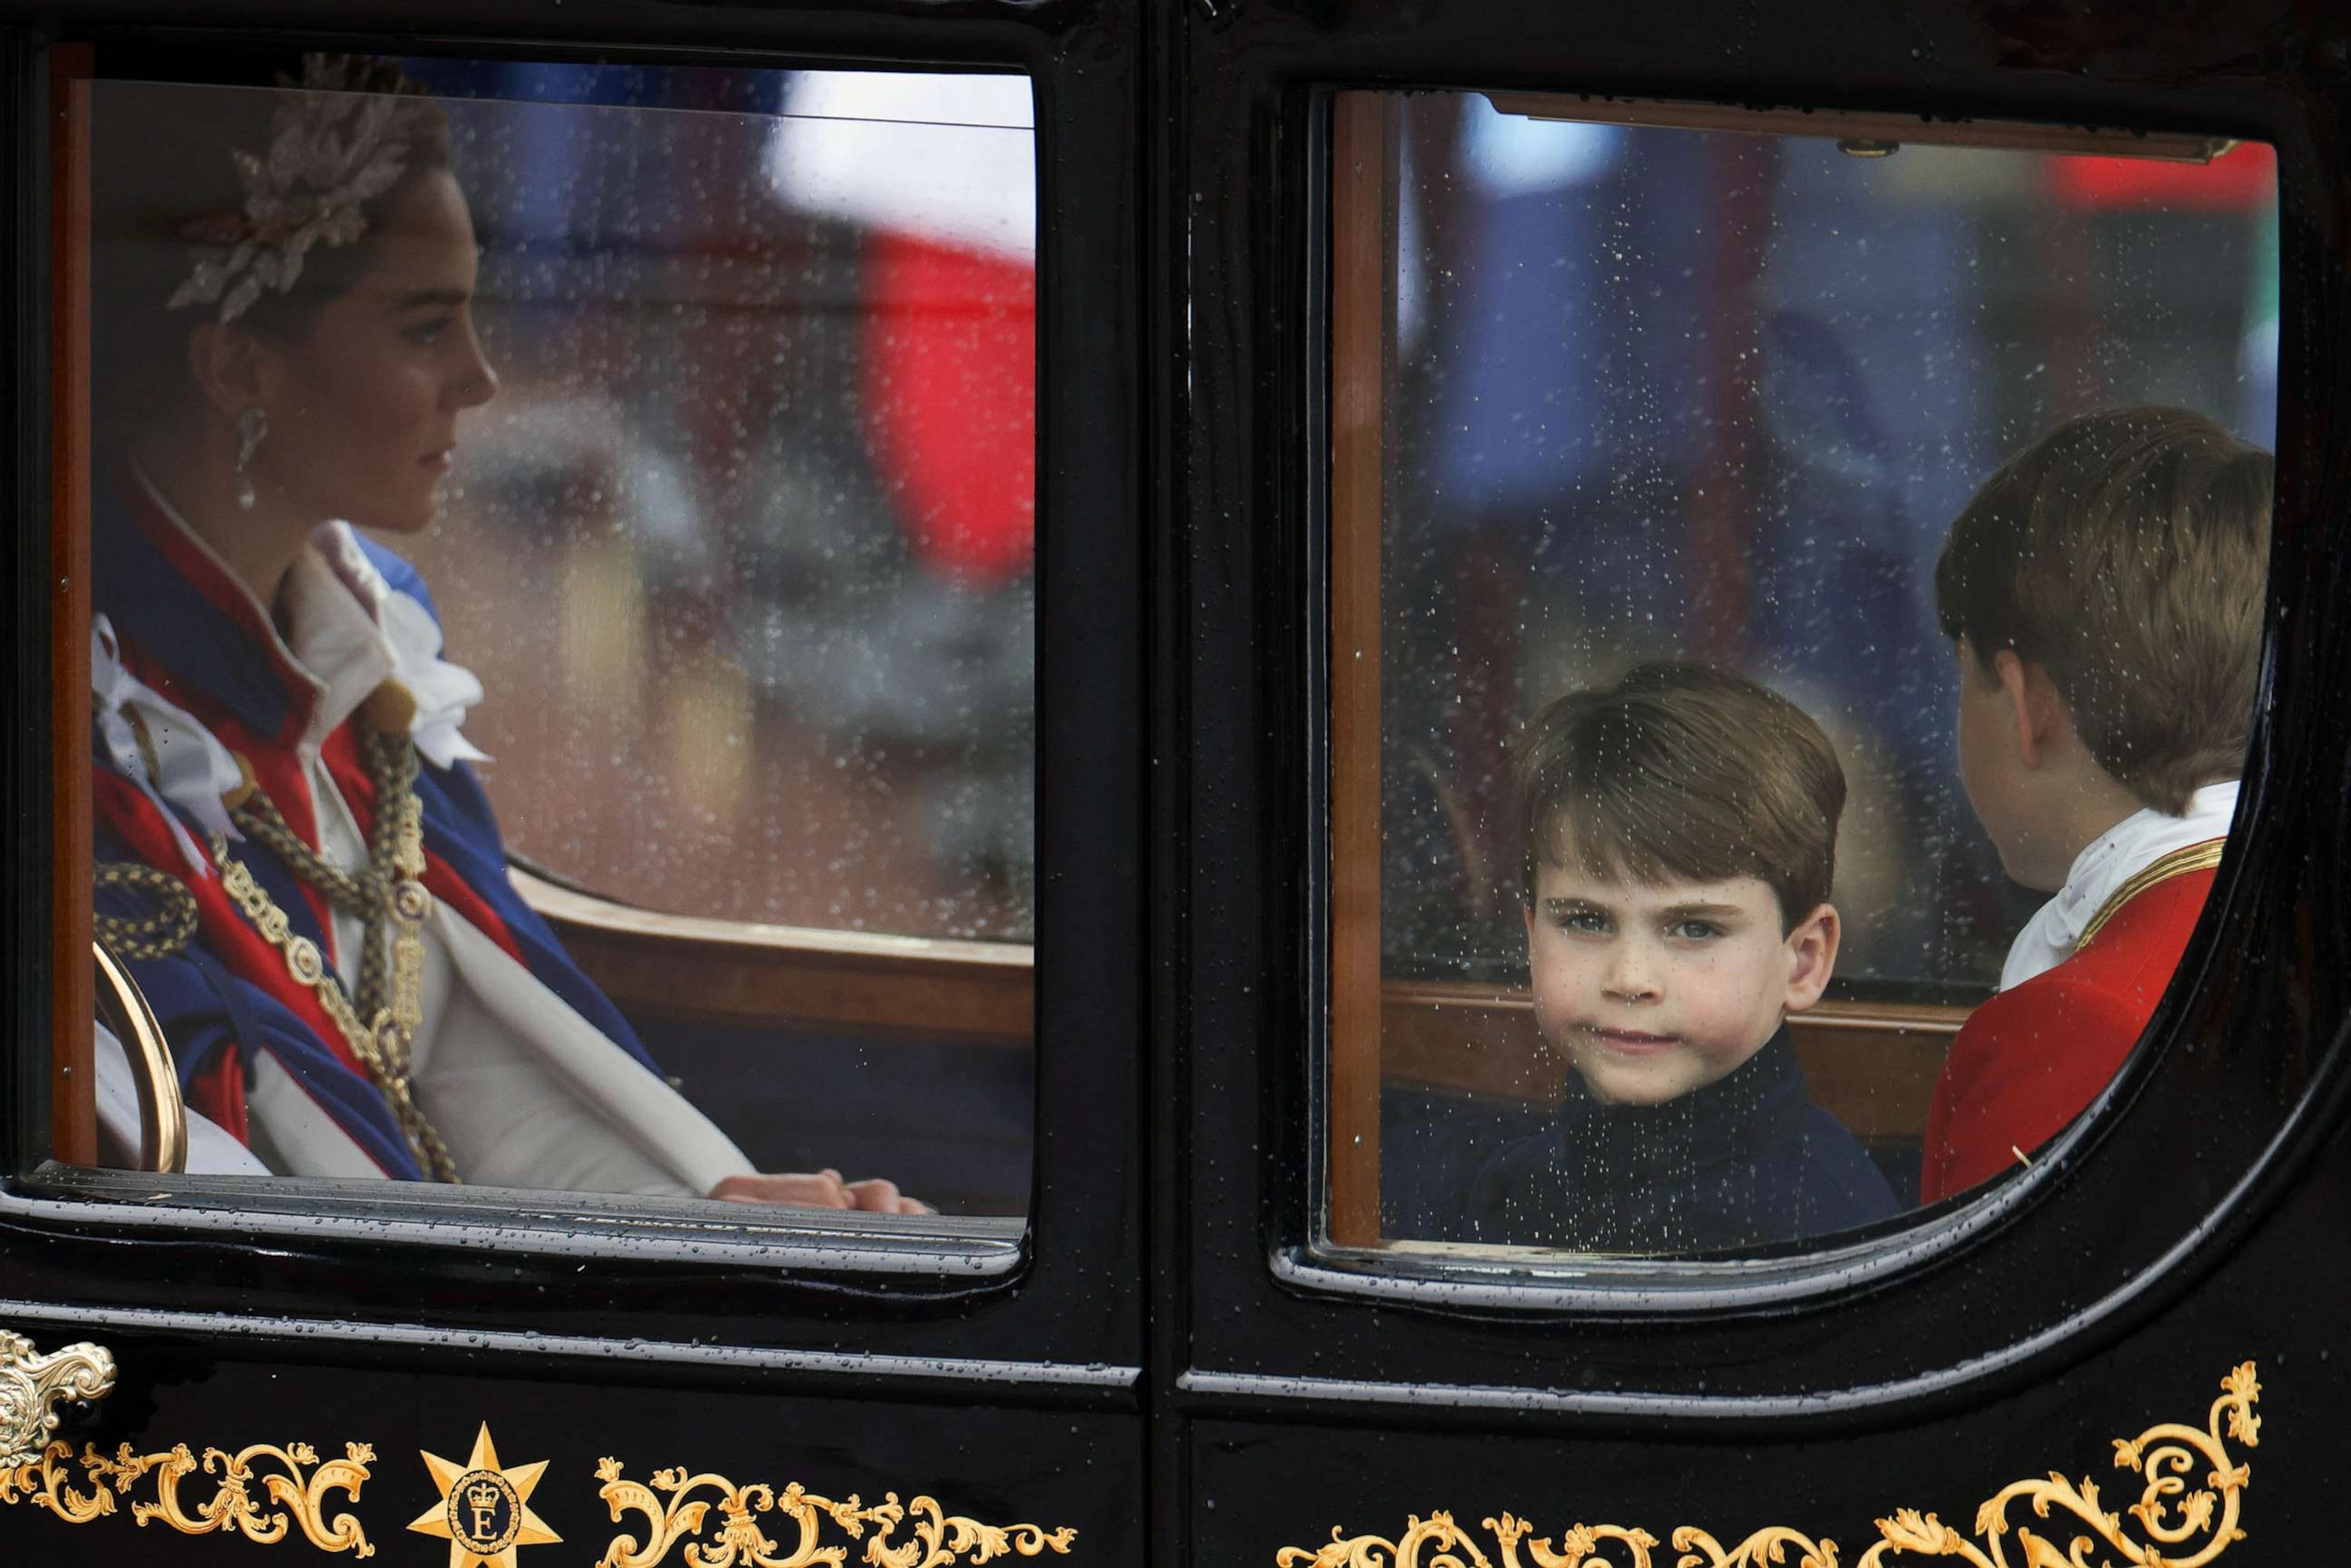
33,1386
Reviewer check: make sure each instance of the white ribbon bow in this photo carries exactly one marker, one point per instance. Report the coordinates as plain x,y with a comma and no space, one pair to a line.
443,691
192,769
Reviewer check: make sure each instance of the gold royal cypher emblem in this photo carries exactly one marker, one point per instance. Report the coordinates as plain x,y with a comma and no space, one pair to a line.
485,1507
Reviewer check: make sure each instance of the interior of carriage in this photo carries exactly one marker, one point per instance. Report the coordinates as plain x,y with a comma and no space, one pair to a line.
748,570
1617,382
746,555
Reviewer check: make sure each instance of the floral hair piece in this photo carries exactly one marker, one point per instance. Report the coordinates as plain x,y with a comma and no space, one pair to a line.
332,151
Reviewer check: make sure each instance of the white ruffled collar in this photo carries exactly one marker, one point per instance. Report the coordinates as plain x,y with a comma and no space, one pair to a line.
353,630
346,630
2098,873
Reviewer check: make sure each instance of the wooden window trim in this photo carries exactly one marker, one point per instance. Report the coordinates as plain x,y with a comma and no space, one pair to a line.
1872,1065
1364,137
73,1088
690,968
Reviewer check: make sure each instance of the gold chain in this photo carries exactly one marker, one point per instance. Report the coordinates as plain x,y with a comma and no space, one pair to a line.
384,1048
384,1042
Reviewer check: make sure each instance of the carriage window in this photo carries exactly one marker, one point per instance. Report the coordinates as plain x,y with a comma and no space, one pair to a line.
1796,595
561,624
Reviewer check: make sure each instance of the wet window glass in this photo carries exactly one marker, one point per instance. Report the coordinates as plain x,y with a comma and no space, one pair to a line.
561,624
1796,589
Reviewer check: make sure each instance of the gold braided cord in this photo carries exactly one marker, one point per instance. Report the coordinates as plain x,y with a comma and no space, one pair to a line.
2162,869
353,892
373,892
157,935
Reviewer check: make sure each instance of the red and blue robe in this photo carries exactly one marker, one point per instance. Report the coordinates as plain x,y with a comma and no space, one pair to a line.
190,631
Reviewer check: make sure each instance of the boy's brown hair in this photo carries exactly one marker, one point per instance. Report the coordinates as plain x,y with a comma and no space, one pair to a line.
2127,553
1681,772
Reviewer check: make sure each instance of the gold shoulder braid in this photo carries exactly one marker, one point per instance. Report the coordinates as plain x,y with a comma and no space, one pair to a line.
388,896
2163,868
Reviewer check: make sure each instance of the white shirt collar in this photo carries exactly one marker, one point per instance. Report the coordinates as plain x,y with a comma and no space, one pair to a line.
2112,859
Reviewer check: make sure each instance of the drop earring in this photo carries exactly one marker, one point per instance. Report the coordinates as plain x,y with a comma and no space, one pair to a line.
252,425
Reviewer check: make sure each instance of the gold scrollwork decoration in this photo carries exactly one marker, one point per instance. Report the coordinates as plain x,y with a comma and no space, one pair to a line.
2186,1515
1770,1545
32,1387
1437,1542
45,1482
296,1486
2185,1524
938,1538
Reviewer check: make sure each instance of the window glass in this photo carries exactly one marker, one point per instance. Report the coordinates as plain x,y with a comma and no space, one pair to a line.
627,469
1673,599
777,372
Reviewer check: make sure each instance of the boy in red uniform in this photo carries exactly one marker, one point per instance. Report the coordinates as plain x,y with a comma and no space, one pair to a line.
2104,594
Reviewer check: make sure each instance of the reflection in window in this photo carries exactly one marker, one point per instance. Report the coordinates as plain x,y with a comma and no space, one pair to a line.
1646,438
704,402
764,457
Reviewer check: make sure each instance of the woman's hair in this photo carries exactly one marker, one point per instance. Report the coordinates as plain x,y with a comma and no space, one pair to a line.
1681,772
166,189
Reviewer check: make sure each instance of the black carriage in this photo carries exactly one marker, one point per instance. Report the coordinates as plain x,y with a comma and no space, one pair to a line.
1162,545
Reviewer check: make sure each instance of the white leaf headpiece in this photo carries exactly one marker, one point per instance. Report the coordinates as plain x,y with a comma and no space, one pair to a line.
330,152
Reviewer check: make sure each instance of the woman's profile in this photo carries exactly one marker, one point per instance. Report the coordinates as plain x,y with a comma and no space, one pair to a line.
293,853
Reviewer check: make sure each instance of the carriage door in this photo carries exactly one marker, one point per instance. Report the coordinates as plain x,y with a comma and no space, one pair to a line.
1541,350
791,559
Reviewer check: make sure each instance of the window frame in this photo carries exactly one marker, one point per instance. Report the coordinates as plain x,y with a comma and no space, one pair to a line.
1532,1278
2110,1215
970,1289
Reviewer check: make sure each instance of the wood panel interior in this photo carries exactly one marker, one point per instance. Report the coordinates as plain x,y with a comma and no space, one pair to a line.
1871,1065
677,966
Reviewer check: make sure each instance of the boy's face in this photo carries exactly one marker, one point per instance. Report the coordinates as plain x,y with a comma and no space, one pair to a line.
1653,991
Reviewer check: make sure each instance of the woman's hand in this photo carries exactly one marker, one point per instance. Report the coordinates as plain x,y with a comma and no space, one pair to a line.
825,1190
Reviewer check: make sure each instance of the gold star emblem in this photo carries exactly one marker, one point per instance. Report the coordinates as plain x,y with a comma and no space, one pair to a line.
484,1512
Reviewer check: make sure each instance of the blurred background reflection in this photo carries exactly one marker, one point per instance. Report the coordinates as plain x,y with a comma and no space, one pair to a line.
744,553
743,549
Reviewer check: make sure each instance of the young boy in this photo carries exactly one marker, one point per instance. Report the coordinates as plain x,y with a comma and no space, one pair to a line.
2102,593
1679,833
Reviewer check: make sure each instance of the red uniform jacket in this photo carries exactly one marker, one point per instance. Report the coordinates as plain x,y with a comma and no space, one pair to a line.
2032,1058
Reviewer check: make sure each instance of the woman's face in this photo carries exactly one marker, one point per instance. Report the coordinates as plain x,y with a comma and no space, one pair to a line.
363,410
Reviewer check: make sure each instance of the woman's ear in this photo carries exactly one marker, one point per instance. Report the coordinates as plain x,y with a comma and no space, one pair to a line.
1812,956
226,364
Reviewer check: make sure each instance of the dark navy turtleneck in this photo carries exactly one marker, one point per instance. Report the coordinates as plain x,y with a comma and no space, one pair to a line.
1744,1161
